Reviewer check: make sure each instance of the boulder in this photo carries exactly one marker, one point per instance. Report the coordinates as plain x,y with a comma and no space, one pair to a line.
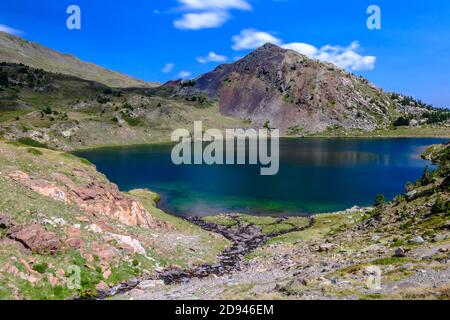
400,253
446,225
439,237
5,222
36,238
150,284
74,243
417,240
325,247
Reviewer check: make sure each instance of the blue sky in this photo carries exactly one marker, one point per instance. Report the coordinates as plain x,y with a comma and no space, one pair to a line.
166,39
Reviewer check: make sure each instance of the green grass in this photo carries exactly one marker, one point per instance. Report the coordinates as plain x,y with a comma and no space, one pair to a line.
132,122
221,220
32,143
41,267
390,261
35,152
324,223
267,224
6,115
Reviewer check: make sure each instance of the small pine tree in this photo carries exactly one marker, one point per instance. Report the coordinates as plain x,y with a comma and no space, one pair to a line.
379,200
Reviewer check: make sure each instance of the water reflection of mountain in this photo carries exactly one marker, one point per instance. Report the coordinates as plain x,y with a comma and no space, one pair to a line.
317,157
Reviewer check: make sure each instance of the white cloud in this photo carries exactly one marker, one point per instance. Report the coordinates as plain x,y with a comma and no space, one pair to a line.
252,39
184,74
303,48
205,14
168,68
212,57
7,29
344,57
215,4
203,20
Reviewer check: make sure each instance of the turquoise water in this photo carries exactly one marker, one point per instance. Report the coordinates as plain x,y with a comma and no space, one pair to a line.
316,175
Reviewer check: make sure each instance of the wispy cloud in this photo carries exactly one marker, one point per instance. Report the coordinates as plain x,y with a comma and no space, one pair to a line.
168,68
10,30
184,74
212,57
205,14
345,57
251,39
215,4
203,20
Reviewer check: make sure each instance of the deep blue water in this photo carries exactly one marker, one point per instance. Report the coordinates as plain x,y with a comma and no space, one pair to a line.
316,175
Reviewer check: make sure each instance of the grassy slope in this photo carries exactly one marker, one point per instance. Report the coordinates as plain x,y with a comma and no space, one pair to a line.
97,116
400,132
268,225
181,245
18,50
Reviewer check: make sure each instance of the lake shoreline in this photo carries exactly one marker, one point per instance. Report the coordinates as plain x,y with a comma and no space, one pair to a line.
341,137
316,176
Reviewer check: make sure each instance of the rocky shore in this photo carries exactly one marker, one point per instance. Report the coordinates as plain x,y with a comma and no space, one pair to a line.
57,214
397,250
244,239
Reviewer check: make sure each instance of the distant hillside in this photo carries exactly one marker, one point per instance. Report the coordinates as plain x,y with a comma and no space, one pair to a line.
284,89
66,113
17,50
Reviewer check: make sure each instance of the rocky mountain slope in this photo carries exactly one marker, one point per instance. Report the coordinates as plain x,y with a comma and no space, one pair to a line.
17,50
284,89
66,112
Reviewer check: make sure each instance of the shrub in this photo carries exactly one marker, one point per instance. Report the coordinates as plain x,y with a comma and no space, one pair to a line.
4,81
440,206
379,200
128,106
103,100
427,177
108,91
35,152
40,267
400,198
47,110
402,122
32,143
437,116
133,122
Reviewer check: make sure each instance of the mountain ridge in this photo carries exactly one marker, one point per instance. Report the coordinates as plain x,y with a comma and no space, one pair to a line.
14,49
287,90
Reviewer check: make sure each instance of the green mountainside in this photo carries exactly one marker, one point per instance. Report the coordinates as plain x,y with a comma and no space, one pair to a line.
18,50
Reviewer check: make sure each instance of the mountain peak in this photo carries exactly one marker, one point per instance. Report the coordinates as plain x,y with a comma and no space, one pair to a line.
270,46
292,92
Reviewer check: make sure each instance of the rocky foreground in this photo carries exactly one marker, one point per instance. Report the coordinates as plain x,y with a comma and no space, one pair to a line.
398,250
67,232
